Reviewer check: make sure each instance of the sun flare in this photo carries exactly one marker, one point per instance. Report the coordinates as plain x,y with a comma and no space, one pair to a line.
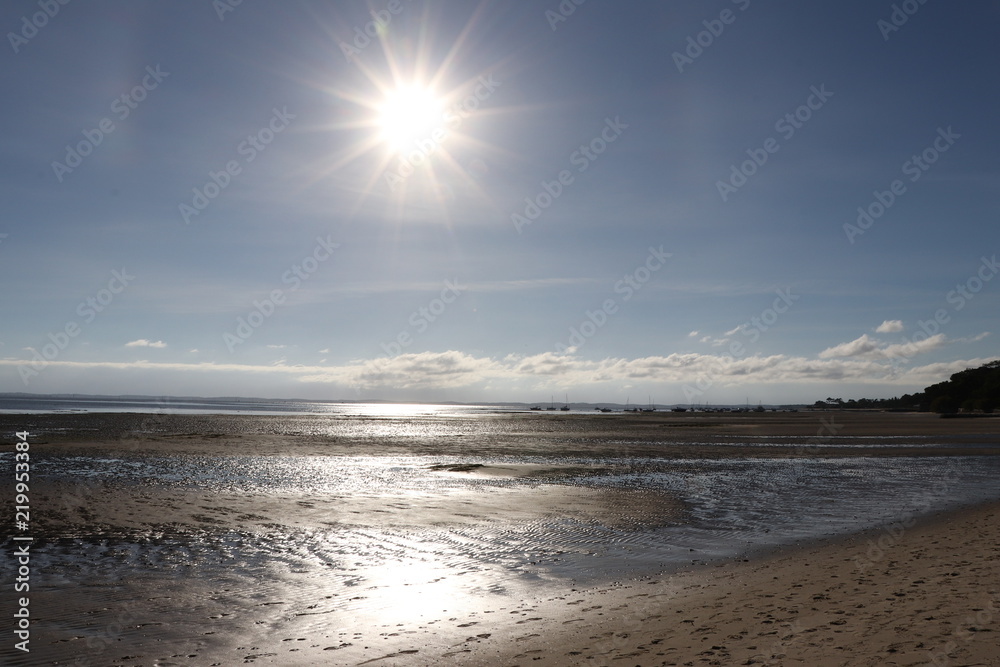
409,115
414,120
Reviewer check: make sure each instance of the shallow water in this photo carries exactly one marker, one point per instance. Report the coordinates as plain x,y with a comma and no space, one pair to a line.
732,506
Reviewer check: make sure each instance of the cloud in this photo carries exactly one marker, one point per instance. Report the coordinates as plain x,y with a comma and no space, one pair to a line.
277,347
439,370
933,373
454,369
973,339
717,342
142,342
859,347
912,348
431,287
890,326
868,347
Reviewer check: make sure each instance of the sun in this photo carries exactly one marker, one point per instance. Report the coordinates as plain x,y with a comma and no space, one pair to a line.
409,115
410,123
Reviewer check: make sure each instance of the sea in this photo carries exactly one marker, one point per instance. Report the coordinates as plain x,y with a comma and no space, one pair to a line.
44,404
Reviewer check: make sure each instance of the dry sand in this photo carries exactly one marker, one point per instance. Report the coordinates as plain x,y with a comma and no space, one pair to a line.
931,595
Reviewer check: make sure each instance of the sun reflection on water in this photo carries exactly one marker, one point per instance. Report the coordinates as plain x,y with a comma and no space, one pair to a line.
407,589
397,409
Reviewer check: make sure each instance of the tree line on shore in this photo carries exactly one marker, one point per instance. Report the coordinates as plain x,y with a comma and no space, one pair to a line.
970,391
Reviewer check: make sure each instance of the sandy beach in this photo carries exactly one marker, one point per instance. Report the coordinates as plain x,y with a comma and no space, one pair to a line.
514,541
931,596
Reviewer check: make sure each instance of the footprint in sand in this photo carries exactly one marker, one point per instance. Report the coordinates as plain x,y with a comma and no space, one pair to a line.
527,653
335,648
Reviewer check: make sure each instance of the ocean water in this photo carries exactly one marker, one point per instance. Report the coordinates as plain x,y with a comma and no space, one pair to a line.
29,404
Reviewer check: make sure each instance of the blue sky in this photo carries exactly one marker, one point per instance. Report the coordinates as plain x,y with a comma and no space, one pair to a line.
608,200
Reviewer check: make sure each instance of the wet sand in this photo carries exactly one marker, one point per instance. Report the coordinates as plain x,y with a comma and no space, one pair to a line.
65,509
931,596
909,594
665,434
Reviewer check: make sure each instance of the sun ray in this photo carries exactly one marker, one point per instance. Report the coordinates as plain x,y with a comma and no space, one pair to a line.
396,142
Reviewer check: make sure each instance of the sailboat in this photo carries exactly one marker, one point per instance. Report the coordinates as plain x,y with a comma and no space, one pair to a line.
565,408
552,403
